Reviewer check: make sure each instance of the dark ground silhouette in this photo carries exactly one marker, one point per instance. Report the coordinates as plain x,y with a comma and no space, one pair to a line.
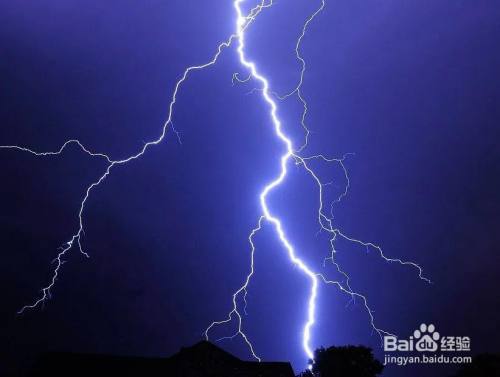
351,361
200,360
204,359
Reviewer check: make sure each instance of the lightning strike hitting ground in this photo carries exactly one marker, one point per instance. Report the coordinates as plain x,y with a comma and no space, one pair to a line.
292,155
325,221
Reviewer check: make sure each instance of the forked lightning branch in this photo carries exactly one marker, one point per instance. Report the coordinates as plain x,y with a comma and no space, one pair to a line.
246,15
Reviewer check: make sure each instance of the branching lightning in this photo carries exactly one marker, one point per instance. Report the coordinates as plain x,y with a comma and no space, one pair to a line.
291,155
76,237
325,220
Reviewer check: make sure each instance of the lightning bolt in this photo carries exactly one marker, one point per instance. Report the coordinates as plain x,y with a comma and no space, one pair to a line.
291,155
111,163
325,220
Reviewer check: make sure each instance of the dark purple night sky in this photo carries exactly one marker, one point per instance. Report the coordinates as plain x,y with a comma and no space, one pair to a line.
411,87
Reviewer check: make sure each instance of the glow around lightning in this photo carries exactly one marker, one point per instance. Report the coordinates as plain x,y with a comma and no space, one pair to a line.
284,160
291,155
76,237
325,221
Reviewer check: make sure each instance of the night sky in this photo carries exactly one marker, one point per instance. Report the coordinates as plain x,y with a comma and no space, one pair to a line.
412,87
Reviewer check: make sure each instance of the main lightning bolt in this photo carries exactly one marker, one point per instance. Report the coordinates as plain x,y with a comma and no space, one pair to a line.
325,219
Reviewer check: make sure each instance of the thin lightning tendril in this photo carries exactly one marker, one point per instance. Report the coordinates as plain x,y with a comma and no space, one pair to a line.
298,87
325,220
76,237
242,289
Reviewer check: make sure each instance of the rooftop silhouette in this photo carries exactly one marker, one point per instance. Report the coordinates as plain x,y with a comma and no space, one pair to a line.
203,359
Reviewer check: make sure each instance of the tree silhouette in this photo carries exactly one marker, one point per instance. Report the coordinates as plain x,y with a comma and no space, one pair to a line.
351,361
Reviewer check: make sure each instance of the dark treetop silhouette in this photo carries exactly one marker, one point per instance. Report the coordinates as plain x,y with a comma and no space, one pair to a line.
351,361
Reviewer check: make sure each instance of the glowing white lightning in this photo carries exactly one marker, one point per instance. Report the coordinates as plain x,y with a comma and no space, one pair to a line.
325,220
76,237
240,23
